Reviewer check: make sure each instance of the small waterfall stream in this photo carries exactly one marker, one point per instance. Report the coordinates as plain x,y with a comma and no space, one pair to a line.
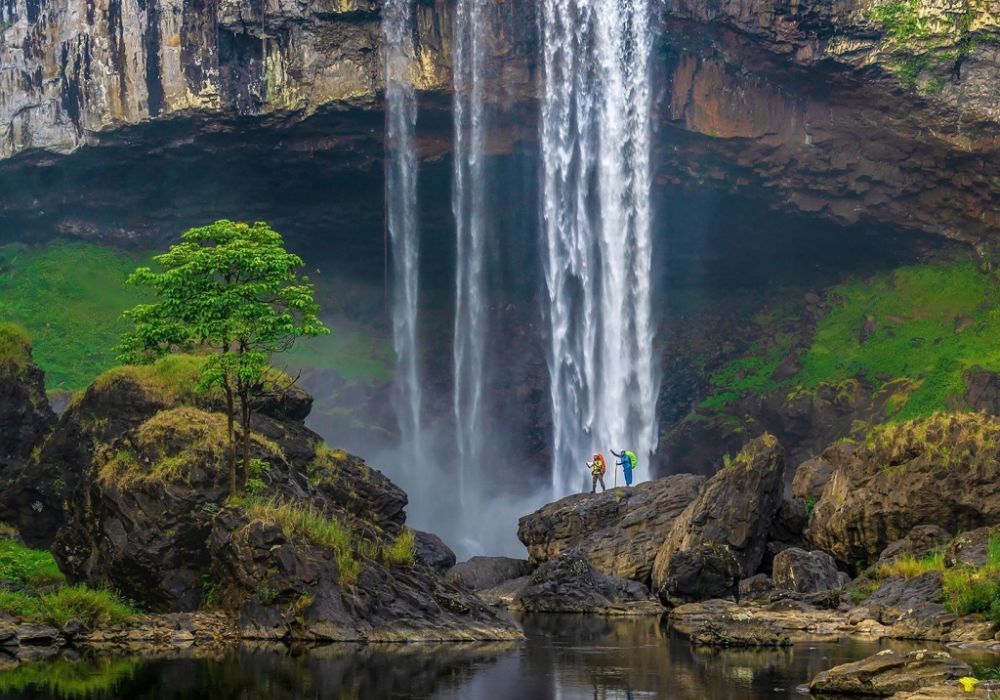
596,210
401,216
468,201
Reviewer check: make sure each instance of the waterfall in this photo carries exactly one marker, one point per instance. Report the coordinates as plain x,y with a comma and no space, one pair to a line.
401,214
596,215
468,207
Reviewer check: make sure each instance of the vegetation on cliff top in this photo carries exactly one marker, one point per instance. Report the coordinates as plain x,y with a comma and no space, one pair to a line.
15,349
69,297
233,290
926,323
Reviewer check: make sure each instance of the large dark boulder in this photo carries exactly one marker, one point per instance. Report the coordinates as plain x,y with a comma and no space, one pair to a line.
943,471
805,572
479,573
568,584
705,572
971,548
432,550
618,532
811,478
724,530
314,546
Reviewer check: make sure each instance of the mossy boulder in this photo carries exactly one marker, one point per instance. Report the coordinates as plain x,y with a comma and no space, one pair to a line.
943,470
313,547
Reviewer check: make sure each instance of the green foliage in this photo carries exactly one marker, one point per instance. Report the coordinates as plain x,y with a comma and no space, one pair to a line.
94,608
227,285
355,354
402,551
30,567
69,298
810,507
901,20
753,374
15,349
927,324
89,677
231,288
986,670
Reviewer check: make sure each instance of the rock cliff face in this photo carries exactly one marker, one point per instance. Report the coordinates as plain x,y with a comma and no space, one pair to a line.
853,109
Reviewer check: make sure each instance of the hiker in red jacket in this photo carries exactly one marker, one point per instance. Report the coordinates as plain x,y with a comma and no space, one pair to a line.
597,469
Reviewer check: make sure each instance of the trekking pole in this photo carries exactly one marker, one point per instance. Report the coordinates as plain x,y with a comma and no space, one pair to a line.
616,476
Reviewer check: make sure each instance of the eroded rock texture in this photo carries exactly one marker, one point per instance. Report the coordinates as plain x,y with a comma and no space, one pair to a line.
940,471
721,536
618,532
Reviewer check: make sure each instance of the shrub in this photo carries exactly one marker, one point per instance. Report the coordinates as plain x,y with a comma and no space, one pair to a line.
92,607
402,552
30,567
171,379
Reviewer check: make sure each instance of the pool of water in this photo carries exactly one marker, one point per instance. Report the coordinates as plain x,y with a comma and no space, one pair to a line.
564,657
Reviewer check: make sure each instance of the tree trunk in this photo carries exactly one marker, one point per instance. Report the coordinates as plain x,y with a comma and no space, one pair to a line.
231,434
245,401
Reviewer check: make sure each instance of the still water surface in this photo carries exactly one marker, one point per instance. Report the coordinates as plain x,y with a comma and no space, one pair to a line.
564,657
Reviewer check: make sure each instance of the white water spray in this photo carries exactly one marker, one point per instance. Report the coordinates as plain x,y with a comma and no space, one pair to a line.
401,212
596,211
468,202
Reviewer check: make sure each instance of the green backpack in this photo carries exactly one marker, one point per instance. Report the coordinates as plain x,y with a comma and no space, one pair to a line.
632,458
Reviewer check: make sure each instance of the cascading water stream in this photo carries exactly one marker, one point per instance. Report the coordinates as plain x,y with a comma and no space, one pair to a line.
596,212
401,213
468,200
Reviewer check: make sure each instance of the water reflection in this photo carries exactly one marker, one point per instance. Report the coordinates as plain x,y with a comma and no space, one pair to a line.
564,657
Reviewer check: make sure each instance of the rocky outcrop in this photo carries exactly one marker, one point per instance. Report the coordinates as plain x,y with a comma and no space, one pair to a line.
740,632
619,532
568,584
889,672
25,415
811,477
939,471
314,547
432,550
479,573
720,537
806,572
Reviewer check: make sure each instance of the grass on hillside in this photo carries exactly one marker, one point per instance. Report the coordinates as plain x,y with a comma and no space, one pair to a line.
26,566
966,590
930,323
69,297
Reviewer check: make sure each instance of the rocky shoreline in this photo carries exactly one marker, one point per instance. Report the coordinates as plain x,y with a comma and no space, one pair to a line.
315,551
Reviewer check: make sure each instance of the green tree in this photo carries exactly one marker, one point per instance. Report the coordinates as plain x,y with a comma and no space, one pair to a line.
230,289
